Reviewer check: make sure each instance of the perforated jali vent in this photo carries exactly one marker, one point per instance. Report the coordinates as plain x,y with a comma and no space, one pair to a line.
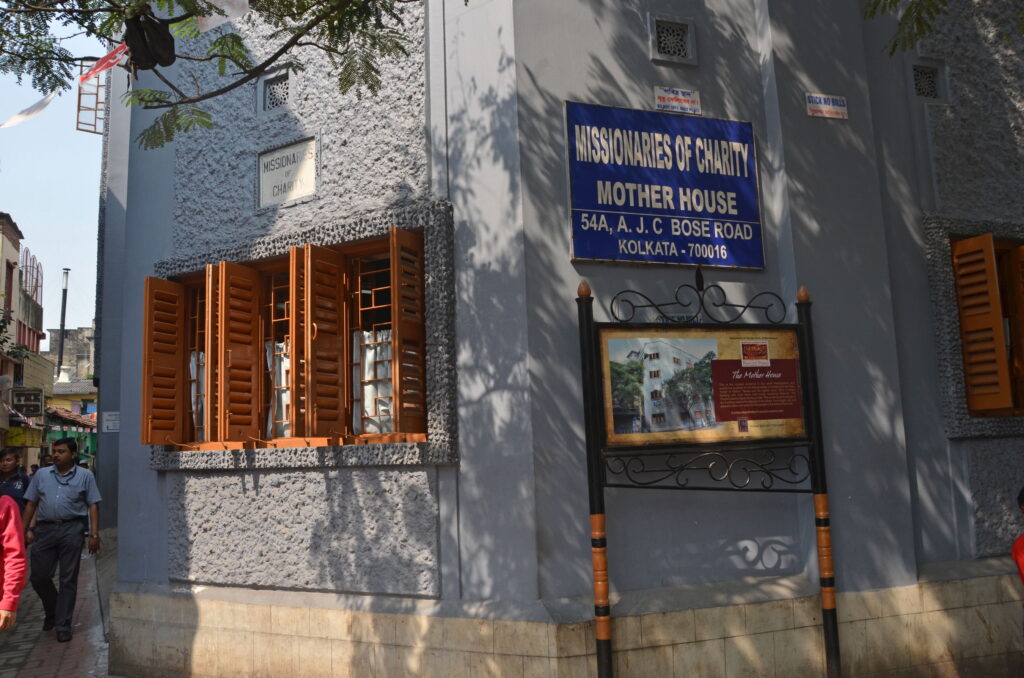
672,38
275,92
926,82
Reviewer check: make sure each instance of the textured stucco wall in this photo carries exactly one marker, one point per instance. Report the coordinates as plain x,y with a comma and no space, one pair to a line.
357,530
292,518
978,138
989,447
372,150
977,149
996,474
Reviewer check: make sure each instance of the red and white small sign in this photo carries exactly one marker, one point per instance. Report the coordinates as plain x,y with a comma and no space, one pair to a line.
677,100
106,63
826,106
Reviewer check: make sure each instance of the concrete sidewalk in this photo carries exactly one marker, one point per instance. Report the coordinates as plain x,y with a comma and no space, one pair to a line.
27,652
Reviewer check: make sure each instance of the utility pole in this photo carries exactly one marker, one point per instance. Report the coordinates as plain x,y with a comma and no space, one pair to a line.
63,310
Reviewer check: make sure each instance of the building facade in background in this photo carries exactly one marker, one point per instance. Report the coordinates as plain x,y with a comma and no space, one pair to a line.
341,382
27,376
79,351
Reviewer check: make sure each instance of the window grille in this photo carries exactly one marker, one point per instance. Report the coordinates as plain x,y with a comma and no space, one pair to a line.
672,38
926,82
275,91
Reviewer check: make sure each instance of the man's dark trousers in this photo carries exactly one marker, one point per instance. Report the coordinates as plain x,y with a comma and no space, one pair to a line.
57,543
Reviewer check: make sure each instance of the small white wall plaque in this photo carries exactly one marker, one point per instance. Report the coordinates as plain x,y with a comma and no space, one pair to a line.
677,100
287,173
826,106
111,422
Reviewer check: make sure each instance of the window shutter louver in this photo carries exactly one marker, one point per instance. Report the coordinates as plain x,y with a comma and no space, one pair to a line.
408,331
163,346
1016,303
212,410
324,343
239,353
297,341
986,366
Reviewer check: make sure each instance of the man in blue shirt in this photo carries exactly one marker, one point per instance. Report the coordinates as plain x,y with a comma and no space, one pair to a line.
68,508
13,482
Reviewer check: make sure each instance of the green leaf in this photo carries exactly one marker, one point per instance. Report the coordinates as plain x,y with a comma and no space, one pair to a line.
145,97
232,49
188,28
180,119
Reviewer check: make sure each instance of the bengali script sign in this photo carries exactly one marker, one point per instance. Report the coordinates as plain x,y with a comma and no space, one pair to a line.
700,385
653,187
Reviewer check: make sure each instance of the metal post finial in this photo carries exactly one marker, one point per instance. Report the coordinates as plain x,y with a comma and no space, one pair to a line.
583,290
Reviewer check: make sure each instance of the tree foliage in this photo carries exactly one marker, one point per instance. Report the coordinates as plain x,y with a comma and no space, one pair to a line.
355,35
917,19
627,384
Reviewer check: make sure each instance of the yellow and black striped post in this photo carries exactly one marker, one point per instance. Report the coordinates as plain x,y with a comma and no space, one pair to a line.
819,486
595,476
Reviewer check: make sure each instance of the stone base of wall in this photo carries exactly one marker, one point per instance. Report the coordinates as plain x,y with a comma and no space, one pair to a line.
964,628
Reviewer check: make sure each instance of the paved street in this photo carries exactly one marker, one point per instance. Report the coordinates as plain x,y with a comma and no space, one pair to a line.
28,652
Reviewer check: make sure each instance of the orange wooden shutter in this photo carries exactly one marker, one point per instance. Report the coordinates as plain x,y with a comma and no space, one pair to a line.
240,353
212,410
986,366
297,341
163,363
324,343
1016,303
408,331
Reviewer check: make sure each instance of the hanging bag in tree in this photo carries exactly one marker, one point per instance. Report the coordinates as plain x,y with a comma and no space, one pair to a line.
149,40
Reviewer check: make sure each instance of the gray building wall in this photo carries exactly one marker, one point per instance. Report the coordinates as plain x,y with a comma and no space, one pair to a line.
475,116
958,159
373,529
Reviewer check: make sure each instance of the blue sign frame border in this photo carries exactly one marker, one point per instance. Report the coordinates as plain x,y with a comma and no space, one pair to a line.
568,191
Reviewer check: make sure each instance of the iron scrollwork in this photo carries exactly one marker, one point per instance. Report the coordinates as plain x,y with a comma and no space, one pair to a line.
696,303
675,470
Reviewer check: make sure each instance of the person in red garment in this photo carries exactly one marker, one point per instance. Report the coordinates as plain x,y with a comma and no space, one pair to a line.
1018,545
13,569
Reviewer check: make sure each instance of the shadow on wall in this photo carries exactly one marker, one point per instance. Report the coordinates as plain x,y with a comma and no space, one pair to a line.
655,538
978,149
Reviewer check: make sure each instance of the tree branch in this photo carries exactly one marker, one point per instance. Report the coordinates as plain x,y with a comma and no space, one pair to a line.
168,83
259,69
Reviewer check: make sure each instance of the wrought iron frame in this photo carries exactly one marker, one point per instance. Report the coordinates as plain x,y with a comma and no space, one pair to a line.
789,465
729,466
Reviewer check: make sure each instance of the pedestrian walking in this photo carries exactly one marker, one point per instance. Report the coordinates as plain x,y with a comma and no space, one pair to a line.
67,500
13,482
12,561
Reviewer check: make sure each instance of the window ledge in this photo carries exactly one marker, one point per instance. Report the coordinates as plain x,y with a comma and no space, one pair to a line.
335,456
958,422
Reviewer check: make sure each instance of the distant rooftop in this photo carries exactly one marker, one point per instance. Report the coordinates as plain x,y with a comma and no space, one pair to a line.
74,387
68,415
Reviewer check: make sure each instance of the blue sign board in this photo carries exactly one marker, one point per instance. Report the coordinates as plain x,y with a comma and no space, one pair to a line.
663,188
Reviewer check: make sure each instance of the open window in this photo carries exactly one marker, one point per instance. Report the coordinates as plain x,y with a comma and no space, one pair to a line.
324,346
989,280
